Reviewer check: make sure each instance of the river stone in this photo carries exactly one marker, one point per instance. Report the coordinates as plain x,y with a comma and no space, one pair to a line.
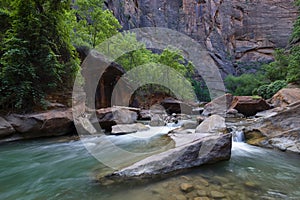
189,124
212,124
198,151
157,120
45,124
218,106
180,197
201,193
201,198
217,194
186,187
128,128
249,106
108,117
5,128
203,181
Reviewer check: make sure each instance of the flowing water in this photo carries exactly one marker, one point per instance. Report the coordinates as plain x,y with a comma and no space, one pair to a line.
53,169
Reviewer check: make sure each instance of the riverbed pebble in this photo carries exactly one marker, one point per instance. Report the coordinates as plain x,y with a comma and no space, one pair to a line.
217,194
186,187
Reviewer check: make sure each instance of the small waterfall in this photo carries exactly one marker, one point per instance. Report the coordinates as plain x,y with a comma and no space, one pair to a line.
238,136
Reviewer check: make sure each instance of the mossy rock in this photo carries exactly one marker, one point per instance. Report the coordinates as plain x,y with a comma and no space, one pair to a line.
254,137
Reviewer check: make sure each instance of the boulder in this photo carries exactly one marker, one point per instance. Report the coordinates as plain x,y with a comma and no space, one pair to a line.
108,117
212,124
193,153
285,97
189,124
157,120
145,115
218,106
45,124
5,128
279,130
248,105
175,106
128,128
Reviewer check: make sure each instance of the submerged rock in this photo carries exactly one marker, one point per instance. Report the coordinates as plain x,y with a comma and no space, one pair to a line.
186,187
217,194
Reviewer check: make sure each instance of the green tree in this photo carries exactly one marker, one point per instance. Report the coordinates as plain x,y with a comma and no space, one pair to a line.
278,69
244,84
94,24
38,55
293,75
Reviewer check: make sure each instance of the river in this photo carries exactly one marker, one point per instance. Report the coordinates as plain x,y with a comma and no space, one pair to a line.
54,169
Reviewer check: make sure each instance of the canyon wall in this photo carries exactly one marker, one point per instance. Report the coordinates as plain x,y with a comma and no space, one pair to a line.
239,34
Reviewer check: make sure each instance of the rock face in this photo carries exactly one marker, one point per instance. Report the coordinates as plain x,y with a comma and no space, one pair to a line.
236,32
285,97
5,128
281,130
248,105
50,123
199,151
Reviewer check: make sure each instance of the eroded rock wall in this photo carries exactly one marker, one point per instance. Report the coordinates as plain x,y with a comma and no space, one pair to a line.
236,32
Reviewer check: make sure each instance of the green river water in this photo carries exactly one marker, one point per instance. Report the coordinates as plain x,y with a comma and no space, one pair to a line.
53,169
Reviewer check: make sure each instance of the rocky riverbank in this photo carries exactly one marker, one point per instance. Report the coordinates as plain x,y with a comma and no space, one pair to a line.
277,127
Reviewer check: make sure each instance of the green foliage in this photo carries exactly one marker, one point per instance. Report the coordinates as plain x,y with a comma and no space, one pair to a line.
296,31
278,69
267,91
119,49
93,24
37,53
293,75
244,84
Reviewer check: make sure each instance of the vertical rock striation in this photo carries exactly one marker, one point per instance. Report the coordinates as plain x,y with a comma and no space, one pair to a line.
236,32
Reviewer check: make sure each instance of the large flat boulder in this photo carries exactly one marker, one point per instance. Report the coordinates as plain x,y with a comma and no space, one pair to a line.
5,128
280,130
45,124
248,105
195,152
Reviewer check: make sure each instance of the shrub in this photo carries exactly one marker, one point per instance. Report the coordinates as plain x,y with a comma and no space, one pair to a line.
267,91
